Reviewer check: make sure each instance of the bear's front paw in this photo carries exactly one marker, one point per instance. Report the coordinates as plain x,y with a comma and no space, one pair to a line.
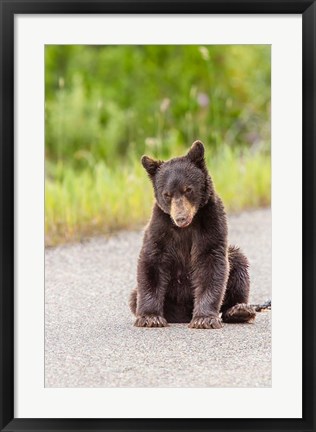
206,323
150,321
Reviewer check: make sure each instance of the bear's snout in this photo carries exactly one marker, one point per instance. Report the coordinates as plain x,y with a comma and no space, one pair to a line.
182,212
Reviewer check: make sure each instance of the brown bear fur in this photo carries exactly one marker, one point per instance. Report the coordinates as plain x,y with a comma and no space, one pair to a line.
186,271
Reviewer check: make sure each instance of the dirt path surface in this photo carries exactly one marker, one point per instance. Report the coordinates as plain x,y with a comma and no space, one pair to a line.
90,340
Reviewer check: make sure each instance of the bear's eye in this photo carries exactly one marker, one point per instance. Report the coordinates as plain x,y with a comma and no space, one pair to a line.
187,190
167,195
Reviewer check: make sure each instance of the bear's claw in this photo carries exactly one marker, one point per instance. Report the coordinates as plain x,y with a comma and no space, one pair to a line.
206,323
150,321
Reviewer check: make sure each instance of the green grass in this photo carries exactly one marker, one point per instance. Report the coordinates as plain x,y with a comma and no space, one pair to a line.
108,102
104,199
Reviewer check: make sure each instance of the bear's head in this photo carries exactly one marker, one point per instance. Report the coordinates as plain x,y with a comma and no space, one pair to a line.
182,185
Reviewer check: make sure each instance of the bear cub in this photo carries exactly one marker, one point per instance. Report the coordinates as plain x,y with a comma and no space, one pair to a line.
186,271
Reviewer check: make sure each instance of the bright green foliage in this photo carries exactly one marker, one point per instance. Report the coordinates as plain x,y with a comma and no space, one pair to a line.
108,105
109,101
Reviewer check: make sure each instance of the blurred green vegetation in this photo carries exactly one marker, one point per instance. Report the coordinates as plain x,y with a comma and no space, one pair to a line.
105,106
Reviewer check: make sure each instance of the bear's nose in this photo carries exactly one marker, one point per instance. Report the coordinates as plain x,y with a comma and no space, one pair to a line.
181,220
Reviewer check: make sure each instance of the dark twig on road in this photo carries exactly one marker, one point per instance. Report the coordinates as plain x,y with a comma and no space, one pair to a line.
262,307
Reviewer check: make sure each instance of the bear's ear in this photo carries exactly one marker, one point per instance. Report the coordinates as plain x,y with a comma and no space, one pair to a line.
196,154
150,165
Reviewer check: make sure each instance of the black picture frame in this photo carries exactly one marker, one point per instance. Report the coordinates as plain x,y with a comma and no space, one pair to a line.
8,9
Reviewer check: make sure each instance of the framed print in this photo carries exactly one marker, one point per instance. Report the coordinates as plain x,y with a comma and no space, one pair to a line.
194,118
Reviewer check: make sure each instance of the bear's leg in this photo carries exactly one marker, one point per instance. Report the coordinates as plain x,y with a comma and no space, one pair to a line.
151,289
133,301
208,296
235,308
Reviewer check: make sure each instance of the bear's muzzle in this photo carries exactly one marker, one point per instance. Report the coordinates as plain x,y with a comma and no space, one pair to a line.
182,211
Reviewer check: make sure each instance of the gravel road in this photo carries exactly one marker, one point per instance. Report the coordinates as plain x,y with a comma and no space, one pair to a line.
90,340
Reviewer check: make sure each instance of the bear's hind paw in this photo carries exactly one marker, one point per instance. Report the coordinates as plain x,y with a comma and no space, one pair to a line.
150,321
240,313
